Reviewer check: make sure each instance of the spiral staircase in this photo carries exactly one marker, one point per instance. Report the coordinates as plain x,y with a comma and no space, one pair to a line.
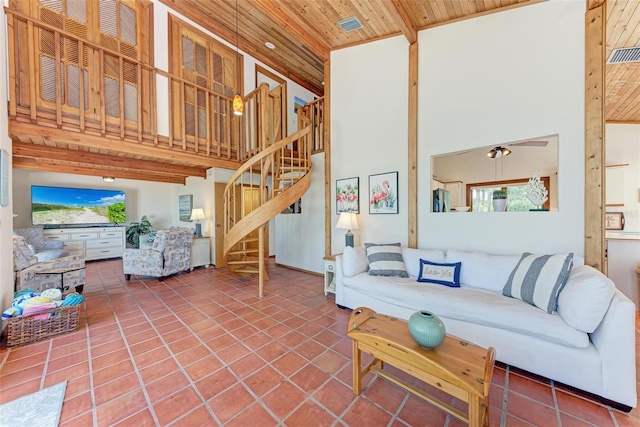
274,177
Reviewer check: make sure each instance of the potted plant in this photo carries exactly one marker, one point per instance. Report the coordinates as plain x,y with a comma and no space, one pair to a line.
499,200
136,229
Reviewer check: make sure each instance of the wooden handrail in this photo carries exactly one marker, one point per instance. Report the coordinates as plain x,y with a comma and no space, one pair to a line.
313,113
270,150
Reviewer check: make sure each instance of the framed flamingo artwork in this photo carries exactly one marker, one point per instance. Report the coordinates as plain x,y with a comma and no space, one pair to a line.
383,193
348,195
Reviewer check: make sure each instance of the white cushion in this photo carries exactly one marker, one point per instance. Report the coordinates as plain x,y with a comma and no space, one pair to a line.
385,259
354,261
585,298
412,258
468,304
482,270
538,279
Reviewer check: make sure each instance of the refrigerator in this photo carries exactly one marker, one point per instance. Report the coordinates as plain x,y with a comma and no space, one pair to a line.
441,200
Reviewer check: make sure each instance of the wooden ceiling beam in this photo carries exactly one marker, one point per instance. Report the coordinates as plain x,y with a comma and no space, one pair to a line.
45,165
592,4
275,12
20,129
230,37
402,18
77,156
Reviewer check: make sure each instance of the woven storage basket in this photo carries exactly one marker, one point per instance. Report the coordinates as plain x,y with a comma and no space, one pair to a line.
26,329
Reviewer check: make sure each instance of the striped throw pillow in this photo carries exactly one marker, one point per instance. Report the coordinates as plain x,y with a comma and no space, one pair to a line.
385,260
538,279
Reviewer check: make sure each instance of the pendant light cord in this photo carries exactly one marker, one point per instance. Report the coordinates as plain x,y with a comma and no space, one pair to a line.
237,49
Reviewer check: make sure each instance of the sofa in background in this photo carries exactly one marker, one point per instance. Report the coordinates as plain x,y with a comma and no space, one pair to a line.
26,268
44,250
170,253
588,343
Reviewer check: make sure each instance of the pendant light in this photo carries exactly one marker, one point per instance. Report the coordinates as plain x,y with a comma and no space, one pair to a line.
238,106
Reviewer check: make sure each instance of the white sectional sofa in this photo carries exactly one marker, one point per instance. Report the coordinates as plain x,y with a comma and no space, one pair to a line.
596,354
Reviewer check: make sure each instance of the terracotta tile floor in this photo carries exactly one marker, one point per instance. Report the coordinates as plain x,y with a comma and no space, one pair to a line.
201,349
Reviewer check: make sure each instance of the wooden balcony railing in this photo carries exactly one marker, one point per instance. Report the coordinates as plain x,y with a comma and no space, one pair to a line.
313,113
57,79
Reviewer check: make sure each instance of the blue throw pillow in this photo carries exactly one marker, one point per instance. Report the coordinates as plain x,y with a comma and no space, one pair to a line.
440,273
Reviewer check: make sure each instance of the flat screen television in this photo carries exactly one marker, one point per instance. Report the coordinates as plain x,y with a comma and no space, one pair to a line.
76,206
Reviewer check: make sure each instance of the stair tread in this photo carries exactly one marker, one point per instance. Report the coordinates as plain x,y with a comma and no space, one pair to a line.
241,270
244,261
248,251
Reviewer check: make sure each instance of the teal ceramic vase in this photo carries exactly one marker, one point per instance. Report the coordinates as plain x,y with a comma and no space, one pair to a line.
427,329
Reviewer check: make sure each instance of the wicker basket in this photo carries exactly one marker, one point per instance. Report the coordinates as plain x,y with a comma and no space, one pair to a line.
29,328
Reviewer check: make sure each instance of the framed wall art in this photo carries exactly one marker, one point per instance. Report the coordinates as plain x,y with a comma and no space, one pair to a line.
383,193
614,221
348,195
185,204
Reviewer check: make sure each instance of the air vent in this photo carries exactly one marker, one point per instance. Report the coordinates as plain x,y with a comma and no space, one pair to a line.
350,24
625,54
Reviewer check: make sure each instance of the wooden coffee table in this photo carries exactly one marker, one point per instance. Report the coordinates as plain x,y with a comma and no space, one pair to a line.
456,367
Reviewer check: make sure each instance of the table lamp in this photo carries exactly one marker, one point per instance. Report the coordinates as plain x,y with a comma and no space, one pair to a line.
197,214
347,221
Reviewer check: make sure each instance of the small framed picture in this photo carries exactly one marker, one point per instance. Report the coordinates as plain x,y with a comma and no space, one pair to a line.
348,195
185,203
614,221
383,193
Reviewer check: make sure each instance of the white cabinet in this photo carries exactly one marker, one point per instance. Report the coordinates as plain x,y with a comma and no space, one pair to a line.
92,242
200,252
330,274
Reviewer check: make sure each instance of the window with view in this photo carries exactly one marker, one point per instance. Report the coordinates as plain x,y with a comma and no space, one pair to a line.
481,195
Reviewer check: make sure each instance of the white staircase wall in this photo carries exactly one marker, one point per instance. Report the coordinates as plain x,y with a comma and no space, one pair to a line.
300,237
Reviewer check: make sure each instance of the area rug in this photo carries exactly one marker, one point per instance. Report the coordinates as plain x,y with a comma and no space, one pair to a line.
41,409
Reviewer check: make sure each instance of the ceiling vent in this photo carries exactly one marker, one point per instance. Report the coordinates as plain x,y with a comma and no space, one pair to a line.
625,54
350,24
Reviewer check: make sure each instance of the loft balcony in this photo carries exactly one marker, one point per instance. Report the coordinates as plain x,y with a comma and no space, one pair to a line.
122,118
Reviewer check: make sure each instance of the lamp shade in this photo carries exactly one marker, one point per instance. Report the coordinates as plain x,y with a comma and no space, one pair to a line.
238,106
347,221
197,214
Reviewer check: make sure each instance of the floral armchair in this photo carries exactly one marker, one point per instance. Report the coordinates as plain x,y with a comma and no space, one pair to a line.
44,250
169,254
27,269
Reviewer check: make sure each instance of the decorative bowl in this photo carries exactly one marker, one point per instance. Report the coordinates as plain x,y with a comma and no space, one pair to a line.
461,208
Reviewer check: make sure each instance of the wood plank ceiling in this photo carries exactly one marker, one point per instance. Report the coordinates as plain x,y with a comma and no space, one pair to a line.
623,80
304,32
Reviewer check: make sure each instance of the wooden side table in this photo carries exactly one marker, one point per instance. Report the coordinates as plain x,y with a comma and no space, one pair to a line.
456,367
329,274
200,252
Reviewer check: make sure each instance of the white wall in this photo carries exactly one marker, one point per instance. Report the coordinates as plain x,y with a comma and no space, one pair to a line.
623,146
6,229
497,78
369,107
300,237
485,81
